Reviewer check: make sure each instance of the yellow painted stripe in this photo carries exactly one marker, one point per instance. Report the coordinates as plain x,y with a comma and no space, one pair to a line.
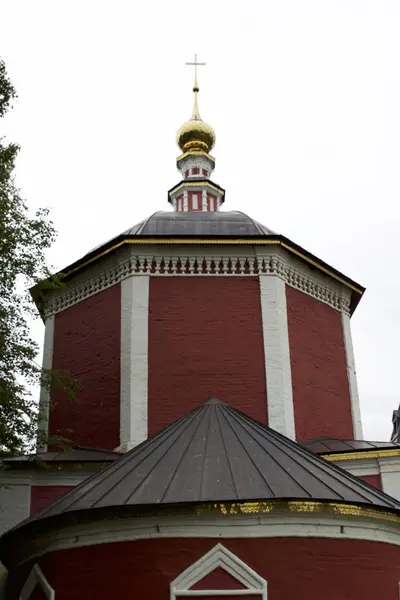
361,455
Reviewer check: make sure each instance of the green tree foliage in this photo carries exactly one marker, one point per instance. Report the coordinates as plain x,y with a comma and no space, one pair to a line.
24,239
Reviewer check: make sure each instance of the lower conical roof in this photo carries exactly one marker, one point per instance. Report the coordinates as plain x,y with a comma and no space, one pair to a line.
216,453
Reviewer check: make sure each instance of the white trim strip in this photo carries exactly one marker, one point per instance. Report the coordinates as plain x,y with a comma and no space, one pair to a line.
352,377
221,526
44,399
134,360
36,577
277,355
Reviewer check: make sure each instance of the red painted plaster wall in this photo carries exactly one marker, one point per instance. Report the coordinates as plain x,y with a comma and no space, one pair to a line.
218,579
87,345
309,568
39,594
374,480
205,339
321,394
43,495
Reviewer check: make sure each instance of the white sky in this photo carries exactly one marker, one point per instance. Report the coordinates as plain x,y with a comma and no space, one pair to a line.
304,96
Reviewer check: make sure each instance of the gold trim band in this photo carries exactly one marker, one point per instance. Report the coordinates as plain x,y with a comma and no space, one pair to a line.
204,182
299,506
361,455
195,153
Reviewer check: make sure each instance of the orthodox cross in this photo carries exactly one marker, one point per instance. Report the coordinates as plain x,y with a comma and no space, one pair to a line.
195,64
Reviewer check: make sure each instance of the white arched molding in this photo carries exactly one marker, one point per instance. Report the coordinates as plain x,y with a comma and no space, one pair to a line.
277,355
44,400
287,524
218,557
134,360
36,577
352,377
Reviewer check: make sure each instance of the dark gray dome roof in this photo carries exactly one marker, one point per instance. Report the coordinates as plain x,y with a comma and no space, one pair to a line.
225,223
215,453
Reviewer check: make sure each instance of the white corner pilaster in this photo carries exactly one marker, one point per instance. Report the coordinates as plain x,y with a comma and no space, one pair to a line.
277,355
389,468
44,398
134,360
204,201
352,378
185,201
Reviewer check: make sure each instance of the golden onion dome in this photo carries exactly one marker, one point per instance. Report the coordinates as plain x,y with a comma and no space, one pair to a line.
195,134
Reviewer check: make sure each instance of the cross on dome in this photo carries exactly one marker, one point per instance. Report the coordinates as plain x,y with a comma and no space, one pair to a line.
196,138
195,64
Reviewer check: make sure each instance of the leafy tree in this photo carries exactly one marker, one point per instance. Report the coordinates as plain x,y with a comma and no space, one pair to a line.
24,239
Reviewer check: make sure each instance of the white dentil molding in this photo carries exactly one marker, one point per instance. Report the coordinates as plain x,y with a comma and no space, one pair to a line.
203,261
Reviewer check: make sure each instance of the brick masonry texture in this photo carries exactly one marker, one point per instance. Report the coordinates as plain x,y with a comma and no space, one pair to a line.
43,495
205,340
87,345
304,568
321,393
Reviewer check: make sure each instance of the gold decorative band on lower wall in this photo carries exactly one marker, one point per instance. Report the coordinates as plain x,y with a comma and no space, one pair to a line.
297,506
363,455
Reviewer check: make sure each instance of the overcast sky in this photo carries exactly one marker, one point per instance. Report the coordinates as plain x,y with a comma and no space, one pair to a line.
304,96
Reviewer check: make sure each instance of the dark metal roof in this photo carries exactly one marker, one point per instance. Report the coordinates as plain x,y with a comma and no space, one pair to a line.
220,223
215,453
328,445
74,455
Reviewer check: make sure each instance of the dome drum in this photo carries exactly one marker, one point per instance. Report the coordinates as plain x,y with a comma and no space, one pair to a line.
195,164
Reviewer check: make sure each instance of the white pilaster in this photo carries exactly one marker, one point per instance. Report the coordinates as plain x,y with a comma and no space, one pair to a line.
352,377
44,399
277,355
390,475
134,360
185,201
204,201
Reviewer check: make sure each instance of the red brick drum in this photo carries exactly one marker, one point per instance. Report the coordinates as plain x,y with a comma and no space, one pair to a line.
321,395
87,346
309,568
205,339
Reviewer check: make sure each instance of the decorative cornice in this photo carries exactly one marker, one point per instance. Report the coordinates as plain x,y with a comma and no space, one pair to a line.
363,455
195,153
200,183
256,242
269,264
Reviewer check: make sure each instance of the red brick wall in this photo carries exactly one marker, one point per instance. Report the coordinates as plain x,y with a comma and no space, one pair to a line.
205,339
304,568
87,345
321,394
43,495
374,480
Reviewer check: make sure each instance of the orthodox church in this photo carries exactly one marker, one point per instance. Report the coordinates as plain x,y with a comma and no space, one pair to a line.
215,445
